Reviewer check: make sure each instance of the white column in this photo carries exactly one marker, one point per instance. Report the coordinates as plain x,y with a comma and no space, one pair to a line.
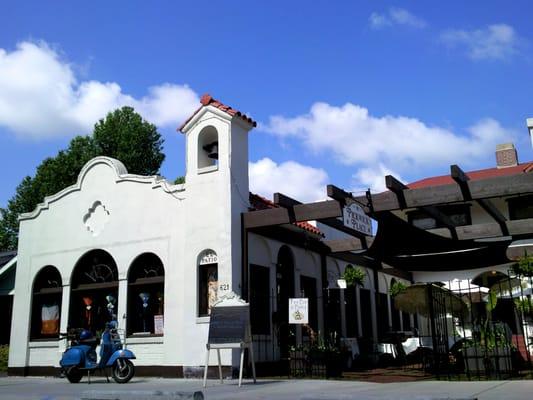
63,323
358,303
343,312
389,308
122,303
373,308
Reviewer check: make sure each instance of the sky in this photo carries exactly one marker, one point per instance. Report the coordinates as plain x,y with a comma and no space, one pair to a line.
343,92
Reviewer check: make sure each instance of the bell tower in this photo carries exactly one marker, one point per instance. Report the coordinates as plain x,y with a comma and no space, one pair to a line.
216,186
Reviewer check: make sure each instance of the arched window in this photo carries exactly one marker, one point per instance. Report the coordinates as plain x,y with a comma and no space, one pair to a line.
46,304
207,282
207,148
94,291
146,289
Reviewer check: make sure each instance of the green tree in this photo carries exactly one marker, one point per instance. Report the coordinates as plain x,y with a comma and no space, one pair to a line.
123,135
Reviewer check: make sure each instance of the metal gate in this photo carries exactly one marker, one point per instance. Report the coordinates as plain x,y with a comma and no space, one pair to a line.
491,336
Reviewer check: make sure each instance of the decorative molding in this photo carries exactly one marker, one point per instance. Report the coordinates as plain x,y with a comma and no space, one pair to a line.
122,175
230,299
96,218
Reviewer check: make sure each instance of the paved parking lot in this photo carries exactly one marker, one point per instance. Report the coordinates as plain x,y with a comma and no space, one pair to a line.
161,389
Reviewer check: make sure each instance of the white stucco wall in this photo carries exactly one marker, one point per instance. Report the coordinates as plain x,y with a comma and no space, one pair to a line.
145,214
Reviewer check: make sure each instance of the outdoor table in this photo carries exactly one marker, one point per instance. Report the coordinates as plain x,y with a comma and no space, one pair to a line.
352,345
388,348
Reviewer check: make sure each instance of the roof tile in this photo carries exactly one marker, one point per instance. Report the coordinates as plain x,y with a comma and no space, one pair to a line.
208,100
473,175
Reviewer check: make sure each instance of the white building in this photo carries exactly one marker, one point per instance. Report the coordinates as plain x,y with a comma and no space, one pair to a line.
101,248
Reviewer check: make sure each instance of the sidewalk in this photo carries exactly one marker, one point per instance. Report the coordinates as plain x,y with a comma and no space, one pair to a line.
14,388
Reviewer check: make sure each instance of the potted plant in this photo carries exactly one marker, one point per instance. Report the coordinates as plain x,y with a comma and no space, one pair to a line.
354,276
396,288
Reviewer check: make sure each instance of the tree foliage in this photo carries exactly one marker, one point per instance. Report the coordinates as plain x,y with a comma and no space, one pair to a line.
123,135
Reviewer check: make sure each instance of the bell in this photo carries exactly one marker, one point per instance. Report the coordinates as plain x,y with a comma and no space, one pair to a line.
212,150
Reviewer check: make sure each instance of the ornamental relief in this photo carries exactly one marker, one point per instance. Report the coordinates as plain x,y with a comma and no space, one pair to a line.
96,218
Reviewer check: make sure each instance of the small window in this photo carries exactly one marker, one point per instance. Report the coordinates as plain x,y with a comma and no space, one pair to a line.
46,305
260,299
207,149
207,282
520,207
146,288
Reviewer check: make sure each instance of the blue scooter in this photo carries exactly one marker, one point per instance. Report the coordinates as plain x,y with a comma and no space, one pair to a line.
80,357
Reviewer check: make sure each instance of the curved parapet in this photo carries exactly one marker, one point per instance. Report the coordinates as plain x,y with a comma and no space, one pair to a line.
120,175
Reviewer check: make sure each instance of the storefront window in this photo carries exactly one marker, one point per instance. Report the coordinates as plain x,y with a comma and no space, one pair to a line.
94,293
46,304
207,282
146,288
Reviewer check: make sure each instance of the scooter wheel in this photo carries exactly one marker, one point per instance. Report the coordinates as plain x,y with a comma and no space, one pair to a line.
74,375
123,370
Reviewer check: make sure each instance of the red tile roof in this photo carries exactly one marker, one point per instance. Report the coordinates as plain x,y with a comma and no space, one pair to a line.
260,203
207,100
473,175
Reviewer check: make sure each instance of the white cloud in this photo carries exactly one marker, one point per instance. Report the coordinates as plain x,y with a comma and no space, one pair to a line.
396,16
295,180
372,178
374,145
497,42
41,96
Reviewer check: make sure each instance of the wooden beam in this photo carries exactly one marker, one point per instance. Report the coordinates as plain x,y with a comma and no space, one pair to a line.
462,180
285,201
350,244
268,217
325,212
344,198
338,194
479,231
521,228
500,186
397,187
321,211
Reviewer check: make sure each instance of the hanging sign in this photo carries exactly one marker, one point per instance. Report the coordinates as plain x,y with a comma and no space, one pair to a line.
354,217
209,257
299,311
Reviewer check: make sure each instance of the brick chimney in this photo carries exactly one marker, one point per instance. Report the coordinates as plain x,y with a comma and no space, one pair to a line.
506,155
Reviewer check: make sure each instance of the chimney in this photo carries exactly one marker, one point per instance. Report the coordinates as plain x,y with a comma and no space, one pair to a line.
529,122
506,155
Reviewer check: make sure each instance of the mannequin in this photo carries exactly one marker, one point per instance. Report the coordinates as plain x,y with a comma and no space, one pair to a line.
88,312
50,319
111,302
145,297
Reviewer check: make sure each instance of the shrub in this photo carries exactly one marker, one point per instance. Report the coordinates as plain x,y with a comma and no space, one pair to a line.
524,266
4,354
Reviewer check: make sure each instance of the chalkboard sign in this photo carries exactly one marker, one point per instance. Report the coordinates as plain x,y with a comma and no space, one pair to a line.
229,324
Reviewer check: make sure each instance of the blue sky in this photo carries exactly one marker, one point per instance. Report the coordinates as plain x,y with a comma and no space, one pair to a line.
345,92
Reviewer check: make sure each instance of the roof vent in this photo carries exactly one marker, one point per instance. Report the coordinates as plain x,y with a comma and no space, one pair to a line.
506,155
